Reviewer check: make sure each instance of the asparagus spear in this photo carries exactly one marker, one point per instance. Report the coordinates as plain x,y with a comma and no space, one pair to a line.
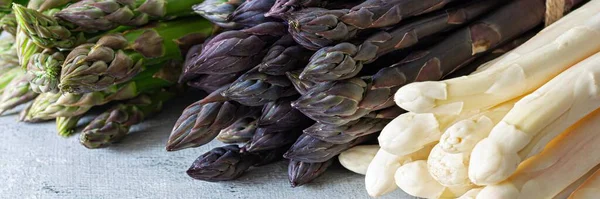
324,104
378,180
278,126
233,51
8,23
43,71
241,130
256,89
218,11
200,123
523,70
98,15
211,83
17,92
301,173
221,164
113,125
251,13
311,150
65,126
316,28
117,58
44,30
285,55
564,160
302,86
348,132
283,7
49,106
358,158
7,76
346,60
229,162
25,47
589,189
532,123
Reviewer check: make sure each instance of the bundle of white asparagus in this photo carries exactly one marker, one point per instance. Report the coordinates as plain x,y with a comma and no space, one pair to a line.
523,126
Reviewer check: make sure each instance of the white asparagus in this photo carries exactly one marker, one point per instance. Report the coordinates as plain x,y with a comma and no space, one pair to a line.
526,68
590,189
410,132
414,179
565,193
535,120
562,162
471,194
448,161
358,158
379,179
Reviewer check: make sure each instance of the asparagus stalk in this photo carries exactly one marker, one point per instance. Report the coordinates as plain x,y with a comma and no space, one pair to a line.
65,126
589,189
44,30
279,125
99,15
311,150
242,130
17,92
49,105
302,86
284,56
411,132
25,47
201,123
211,83
316,28
233,51
564,160
414,179
114,124
378,180
218,11
117,58
221,164
284,7
300,173
229,162
256,89
532,123
43,71
8,23
251,13
358,158
347,132
8,76
346,60
523,70
324,104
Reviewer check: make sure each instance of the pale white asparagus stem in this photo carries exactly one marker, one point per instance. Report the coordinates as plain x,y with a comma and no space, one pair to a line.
565,193
448,161
414,179
379,179
536,120
523,70
410,132
564,160
471,194
462,136
358,158
590,189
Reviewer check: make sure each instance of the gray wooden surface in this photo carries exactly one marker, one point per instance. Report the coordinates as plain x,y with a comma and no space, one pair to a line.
36,163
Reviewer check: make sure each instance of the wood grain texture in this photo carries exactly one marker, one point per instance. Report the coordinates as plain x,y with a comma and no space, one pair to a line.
37,163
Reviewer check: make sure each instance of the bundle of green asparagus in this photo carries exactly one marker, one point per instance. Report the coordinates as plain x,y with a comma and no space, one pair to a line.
77,55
